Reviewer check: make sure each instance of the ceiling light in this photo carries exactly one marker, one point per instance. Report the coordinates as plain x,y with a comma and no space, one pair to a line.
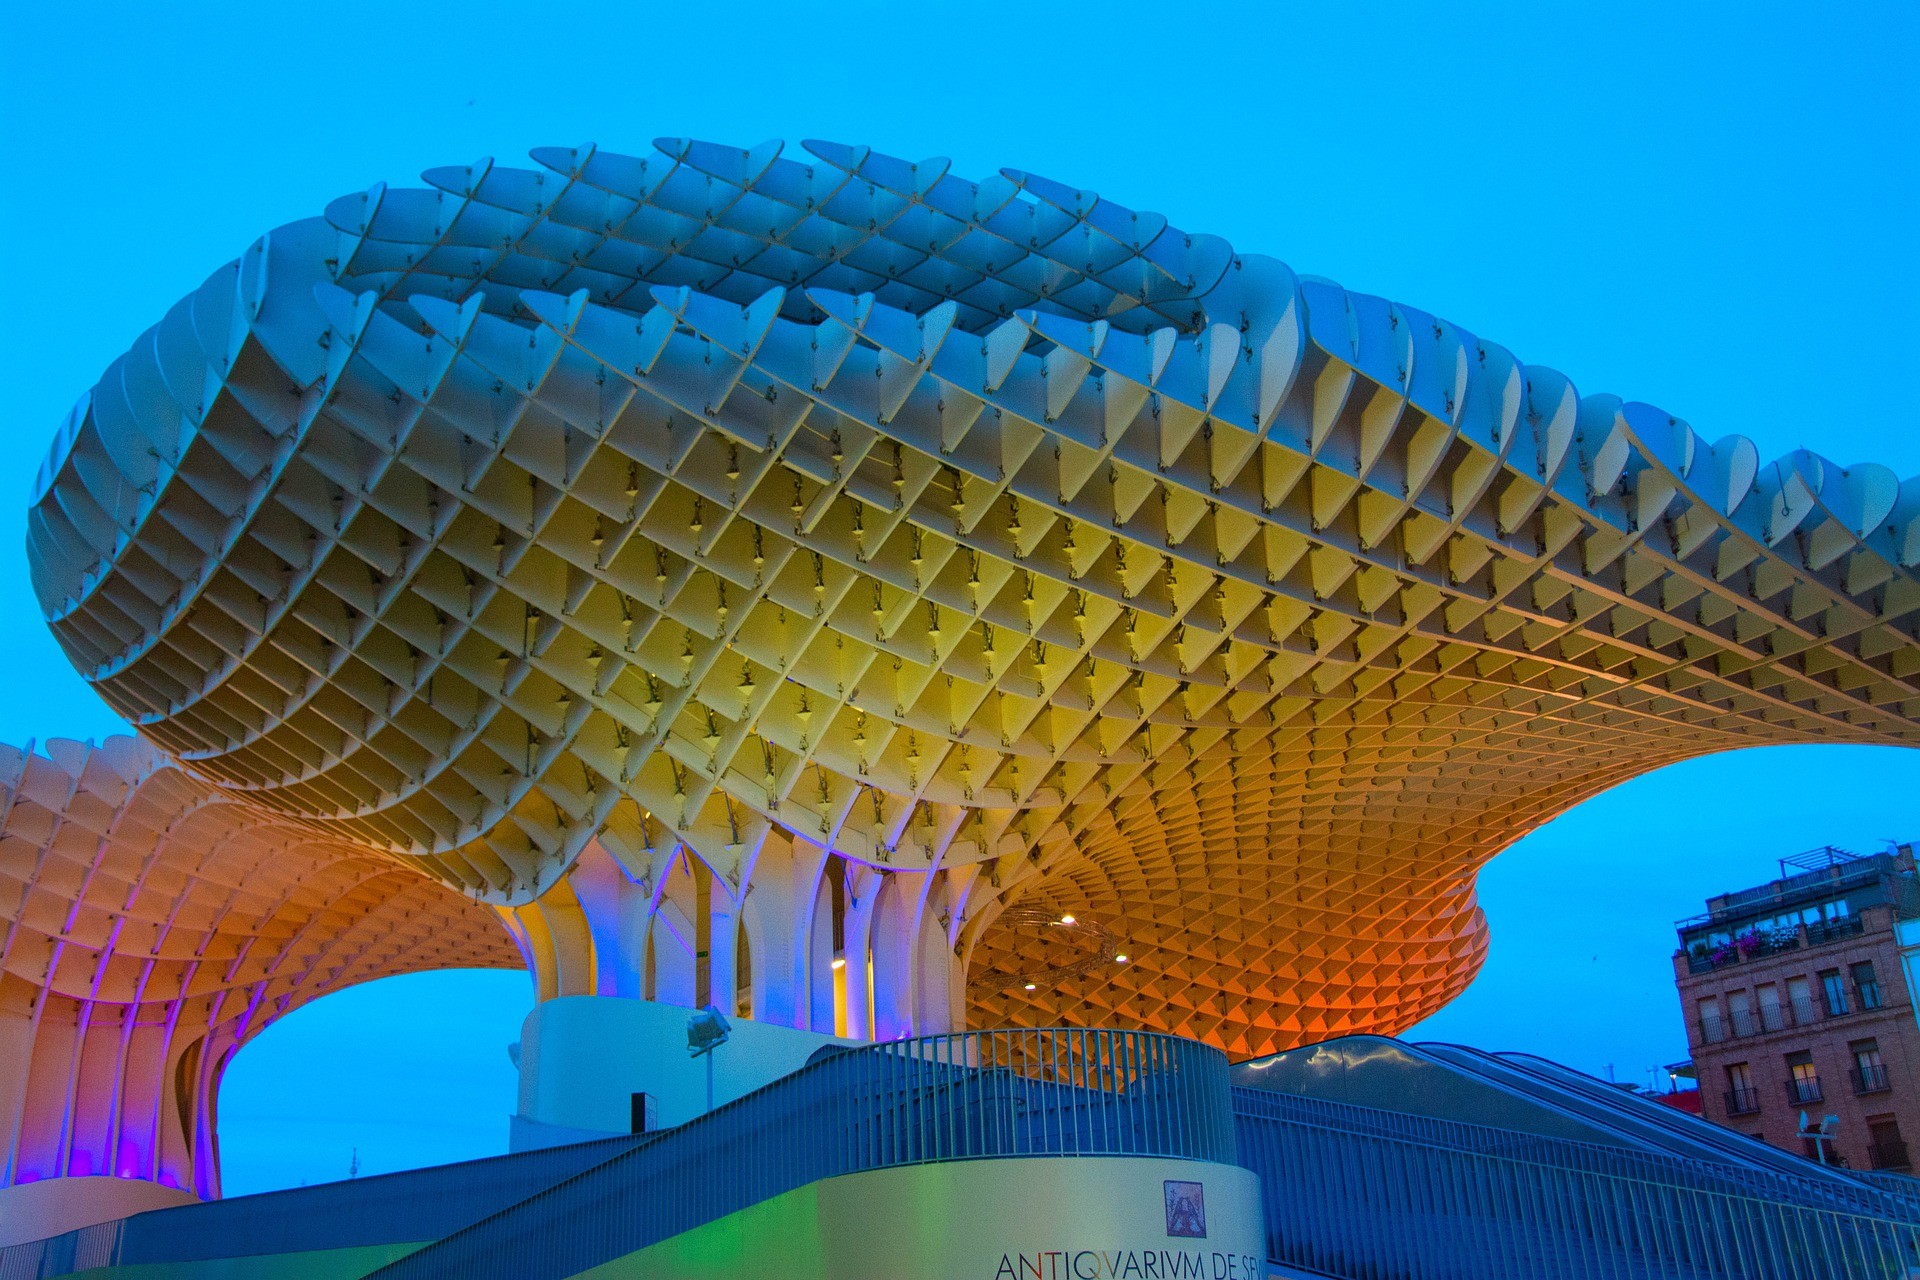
1032,985
1067,919
1121,958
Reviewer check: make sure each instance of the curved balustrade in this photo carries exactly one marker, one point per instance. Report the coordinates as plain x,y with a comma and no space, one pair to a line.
978,1095
1406,1197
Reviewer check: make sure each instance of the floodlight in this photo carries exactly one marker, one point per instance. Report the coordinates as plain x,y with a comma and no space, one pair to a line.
707,1030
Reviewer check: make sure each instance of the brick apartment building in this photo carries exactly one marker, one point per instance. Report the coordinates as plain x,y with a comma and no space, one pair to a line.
1796,1000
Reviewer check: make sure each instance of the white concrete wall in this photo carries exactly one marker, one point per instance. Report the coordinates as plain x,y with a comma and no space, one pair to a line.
36,1210
1078,1218
582,1058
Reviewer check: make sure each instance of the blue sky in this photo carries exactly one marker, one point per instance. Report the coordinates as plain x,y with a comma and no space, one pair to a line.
1709,207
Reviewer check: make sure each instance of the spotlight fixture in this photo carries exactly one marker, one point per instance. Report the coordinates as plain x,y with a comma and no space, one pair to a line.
1058,948
839,962
1120,958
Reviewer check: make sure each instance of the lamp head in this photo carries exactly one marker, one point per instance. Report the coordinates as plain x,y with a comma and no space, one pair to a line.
707,1030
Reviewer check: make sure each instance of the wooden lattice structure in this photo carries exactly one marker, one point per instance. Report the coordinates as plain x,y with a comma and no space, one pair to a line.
752,574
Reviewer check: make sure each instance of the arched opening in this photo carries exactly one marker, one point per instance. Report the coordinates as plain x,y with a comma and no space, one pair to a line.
676,939
742,968
890,978
399,1073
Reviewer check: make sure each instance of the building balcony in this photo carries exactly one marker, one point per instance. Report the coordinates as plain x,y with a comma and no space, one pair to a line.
1758,944
1739,1026
1890,1154
1870,1079
1800,1092
1742,1102
1749,946
1834,930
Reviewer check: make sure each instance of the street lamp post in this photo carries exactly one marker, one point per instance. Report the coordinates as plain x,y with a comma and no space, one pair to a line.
707,1030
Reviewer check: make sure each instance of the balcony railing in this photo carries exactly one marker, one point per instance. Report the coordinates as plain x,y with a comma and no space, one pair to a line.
1825,931
1742,1102
1758,944
1804,1090
1749,946
1870,1079
1767,1021
1889,1153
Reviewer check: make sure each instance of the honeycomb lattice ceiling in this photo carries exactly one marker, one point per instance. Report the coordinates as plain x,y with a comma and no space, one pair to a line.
985,528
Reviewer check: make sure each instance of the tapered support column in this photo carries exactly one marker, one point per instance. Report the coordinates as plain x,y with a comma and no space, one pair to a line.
805,939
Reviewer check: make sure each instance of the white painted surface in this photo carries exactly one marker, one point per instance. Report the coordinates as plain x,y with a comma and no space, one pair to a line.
1072,1218
582,1058
36,1210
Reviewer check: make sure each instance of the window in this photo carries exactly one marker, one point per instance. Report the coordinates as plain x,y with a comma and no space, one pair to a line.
1712,1030
1740,1013
1742,1098
1885,1148
1804,1084
1800,996
1868,1072
1771,1019
1835,990
1866,985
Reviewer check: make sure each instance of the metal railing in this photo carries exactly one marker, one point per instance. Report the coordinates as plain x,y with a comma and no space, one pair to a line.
978,1095
1890,1154
1759,944
1346,1199
1742,1102
406,1207
1349,1190
1871,1079
1803,1090
1768,1020
1900,1200
1824,931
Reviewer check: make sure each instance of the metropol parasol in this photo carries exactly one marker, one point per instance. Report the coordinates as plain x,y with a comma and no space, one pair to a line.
870,600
